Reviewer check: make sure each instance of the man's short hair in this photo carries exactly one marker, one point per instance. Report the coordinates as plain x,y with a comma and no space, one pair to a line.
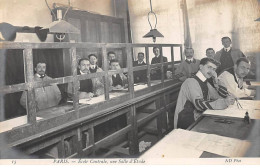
113,60
243,59
156,47
210,49
92,55
111,52
141,53
205,60
82,59
40,62
188,49
226,37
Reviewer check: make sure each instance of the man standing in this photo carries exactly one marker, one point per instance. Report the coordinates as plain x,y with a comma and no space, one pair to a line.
119,80
227,56
232,78
47,96
86,86
189,67
156,74
140,76
98,84
210,53
197,95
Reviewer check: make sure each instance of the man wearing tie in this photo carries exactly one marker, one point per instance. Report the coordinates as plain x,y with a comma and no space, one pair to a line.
156,73
98,84
232,79
227,56
189,67
119,80
47,96
140,76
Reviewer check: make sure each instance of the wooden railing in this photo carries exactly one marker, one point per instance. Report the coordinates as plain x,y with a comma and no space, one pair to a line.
81,119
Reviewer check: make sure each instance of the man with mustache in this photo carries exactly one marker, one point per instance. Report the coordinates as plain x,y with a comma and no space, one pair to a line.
233,79
197,95
86,86
47,96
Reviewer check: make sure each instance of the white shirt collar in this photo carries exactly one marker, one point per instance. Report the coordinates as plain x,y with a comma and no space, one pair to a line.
227,49
200,75
81,72
140,62
190,59
93,66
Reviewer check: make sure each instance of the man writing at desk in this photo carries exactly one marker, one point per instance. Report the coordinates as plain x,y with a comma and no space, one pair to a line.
233,79
86,86
45,97
197,95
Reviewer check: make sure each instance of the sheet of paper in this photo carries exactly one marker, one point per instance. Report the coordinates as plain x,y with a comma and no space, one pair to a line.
177,144
224,146
12,123
227,112
139,87
230,112
247,104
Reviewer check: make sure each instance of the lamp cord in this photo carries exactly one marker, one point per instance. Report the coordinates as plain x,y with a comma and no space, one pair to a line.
151,12
67,10
51,10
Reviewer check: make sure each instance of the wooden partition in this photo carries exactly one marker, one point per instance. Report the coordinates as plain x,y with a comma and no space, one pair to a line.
71,133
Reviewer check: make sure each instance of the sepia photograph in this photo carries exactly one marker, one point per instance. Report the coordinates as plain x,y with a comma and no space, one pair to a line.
129,82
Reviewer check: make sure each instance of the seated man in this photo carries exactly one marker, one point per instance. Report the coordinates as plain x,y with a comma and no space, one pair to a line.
189,67
140,76
117,81
197,95
156,74
47,96
98,84
233,79
86,86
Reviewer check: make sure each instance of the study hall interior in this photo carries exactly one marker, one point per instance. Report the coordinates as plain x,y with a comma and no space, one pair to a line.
105,78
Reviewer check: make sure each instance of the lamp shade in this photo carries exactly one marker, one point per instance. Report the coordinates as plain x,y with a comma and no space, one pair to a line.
61,26
153,33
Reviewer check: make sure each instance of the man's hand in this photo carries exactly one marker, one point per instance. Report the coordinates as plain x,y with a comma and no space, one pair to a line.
230,100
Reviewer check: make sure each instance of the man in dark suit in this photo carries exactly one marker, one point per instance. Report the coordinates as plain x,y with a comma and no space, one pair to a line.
156,73
86,86
140,76
227,56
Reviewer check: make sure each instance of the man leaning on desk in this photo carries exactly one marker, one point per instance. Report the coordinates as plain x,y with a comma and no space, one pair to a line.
86,86
197,95
232,79
47,96
117,81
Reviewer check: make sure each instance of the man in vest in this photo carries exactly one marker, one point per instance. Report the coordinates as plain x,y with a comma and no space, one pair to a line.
227,56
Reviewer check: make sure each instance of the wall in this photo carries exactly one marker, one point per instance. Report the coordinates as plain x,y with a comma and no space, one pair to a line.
212,19
209,21
36,13
169,22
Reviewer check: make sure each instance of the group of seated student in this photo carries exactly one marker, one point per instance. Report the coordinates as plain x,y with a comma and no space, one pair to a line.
214,82
50,96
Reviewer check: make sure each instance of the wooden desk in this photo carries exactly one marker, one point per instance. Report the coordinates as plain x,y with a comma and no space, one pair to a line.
207,138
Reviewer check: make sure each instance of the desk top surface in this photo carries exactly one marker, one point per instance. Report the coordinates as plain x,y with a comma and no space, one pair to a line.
208,137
